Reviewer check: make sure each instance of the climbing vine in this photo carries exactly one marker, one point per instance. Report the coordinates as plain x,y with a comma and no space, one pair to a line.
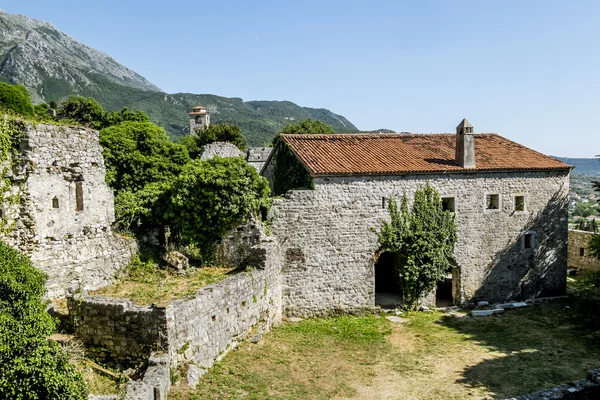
289,173
11,134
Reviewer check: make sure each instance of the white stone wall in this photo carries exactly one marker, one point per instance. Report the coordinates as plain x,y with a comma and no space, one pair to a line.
329,249
76,248
220,149
580,240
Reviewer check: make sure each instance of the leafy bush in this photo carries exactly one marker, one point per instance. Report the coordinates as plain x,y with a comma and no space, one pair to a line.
422,241
139,153
308,127
15,98
213,133
144,208
31,367
85,111
210,197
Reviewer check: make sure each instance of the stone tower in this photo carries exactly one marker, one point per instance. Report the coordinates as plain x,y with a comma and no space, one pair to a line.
199,118
465,144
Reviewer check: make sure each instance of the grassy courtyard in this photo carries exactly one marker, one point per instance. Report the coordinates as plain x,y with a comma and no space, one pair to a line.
426,356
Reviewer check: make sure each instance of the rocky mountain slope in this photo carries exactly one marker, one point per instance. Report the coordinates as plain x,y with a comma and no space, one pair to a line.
52,65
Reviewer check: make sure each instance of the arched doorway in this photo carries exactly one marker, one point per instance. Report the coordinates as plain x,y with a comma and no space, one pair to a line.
388,293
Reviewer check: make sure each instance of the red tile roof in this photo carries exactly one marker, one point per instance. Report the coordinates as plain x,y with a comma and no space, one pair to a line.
388,154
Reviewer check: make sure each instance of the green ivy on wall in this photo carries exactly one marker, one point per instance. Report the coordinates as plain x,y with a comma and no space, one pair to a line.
288,173
11,134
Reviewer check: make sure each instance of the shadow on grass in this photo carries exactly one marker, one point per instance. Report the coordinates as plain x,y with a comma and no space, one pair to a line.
531,349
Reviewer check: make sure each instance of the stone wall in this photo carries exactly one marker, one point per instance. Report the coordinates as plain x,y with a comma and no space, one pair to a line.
63,221
258,156
329,249
579,256
220,149
194,331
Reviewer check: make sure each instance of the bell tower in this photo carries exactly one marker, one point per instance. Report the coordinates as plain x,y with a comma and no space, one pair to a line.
199,118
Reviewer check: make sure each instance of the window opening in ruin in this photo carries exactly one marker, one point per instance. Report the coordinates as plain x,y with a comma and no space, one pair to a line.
388,293
581,252
529,241
448,204
492,202
79,195
55,202
383,202
1,213
519,203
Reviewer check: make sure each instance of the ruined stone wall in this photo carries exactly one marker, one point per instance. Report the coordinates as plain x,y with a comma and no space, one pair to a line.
63,221
579,256
329,248
194,331
220,149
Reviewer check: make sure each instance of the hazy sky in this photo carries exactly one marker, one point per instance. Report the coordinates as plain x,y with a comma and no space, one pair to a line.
528,70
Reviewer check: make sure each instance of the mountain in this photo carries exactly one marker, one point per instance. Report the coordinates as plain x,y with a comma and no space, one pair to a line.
583,166
52,66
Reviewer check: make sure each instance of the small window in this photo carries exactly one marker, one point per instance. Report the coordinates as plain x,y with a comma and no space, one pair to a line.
79,195
383,202
519,203
55,202
1,213
581,252
492,202
448,204
529,241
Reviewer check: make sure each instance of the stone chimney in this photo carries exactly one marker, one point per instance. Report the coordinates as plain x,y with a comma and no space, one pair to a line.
465,144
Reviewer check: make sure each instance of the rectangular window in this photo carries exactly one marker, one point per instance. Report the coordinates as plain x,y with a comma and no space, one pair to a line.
79,195
448,204
529,241
383,202
492,202
581,252
519,203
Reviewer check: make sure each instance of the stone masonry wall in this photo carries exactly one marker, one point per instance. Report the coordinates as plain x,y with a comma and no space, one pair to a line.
578,243
220,149
329,249
194,331
64,218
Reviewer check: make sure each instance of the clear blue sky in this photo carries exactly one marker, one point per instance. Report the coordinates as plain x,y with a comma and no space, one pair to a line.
528,70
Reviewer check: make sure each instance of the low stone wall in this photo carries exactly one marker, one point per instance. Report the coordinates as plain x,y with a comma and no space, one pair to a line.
584,389
195,331
579,255
118,330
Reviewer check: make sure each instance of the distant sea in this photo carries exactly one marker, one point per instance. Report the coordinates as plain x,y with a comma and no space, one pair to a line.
583,166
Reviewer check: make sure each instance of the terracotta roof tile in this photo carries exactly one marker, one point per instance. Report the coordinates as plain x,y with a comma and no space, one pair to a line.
387,154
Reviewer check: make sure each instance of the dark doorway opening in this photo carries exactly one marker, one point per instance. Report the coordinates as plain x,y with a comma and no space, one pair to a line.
388,293
443,293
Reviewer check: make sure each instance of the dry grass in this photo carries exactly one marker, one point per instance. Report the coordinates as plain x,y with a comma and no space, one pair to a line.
97,383
146,281
432,356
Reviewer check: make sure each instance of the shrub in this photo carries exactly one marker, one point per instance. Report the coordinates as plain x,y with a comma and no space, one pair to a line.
213,133
15,98
422,241
308,126
139,153
31,367
85,111
211,197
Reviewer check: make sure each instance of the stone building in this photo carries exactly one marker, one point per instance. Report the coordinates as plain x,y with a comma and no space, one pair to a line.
199,118
64,216
258,156
579,252
509,202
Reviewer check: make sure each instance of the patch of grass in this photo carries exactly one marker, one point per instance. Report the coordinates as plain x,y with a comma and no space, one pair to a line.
97,383
429,356
146,282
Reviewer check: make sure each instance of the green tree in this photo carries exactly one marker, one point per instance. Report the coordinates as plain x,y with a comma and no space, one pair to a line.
308,126
139,153
422,241
31,367
15,98
213,133
125,115
213,196
85,111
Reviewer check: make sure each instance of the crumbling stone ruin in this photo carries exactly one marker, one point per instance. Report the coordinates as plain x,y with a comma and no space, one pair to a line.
579,252
64,216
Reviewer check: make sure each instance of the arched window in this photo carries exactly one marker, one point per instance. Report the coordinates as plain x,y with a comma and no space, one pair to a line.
55,202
